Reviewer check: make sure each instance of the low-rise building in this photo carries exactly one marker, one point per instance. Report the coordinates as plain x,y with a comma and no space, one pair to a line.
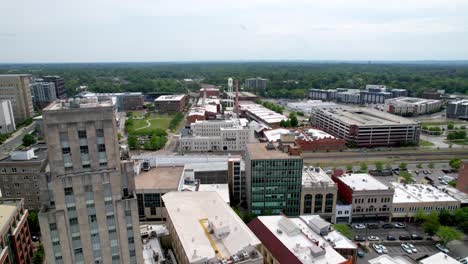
22,173
306,139
293,241
366,127
386,259
318,194
307,106
204,229
408,199
209,90
370,198
260,114
343,212
457,109
241,96
15,239
217,135
7,118
320,94
439,258
410,106
348,96
399,93
170,103
124,101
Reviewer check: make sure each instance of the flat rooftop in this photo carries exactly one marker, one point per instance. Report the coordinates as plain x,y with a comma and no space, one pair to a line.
386,259
8,209
274,135
439,258
411,193
313,176
174,97
339,241
40,153
411,100
77,103
298,238
362,116
457,194
161,177
191,212
362,182
259,151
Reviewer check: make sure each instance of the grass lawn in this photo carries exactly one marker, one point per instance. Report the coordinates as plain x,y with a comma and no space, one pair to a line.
424,143
459,141
160,121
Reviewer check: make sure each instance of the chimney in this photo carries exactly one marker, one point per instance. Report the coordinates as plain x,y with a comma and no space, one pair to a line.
237,98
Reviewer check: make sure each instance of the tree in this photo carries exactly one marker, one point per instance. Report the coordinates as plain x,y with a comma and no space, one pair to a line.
450,126
455,163
38,257
407,177
363,167
133,142
445,217
349,167
379,165
431,223
388,166
28,140
430,165
403,166
447,234
33,222
294,121
283,123
345,230
420,216
419,166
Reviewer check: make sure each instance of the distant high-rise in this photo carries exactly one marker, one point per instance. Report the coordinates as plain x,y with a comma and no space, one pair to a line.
256,83
16,88
89,209
43,92
59,82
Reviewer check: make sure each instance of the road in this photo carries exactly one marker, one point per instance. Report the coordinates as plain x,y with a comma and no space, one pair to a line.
16,139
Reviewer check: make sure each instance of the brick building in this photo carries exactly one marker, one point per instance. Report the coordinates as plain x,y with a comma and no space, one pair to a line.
462,182
170,103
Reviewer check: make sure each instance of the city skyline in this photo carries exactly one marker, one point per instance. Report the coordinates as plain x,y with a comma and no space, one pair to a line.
120,31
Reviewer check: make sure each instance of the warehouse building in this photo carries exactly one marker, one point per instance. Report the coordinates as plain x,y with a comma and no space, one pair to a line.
170,103
366,127
263,115
410,106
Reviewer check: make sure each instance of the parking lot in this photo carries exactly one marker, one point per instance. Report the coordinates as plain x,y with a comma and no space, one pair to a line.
424,248
382,233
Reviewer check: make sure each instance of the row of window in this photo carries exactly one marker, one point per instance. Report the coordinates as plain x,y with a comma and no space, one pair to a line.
372,200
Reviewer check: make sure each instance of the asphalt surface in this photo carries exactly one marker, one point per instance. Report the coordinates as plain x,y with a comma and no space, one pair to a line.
16,139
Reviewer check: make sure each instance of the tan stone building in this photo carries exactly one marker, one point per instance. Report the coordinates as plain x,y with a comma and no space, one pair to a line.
16,88
318,195
89,207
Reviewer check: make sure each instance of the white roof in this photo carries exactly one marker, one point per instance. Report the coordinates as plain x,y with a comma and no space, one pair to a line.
221,189
339,240
457,194
439,258
275,134
311,176
317,133
187,210
386,259
411,193
299,243
362,182
173,97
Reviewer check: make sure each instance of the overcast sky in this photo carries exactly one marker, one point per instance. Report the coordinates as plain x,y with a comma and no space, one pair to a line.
182,30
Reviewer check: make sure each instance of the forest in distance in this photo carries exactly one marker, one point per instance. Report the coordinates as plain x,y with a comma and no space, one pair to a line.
286,79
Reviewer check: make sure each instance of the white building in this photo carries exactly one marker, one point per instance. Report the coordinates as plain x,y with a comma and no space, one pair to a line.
307,106
439,258
410,198
261,114
412,106
7,119
204,229
217,135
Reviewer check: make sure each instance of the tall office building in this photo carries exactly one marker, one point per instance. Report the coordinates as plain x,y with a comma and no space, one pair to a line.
15,87
256,83
7,119
273,180
59,82
43,93
89,208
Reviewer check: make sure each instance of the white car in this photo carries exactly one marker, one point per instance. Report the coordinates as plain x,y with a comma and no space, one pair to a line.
384,249
442,248
373,238
377,248
412,247
406,248
360,226
400,225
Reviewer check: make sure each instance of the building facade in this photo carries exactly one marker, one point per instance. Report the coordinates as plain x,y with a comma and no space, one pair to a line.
324,95
273,180
370,198
59,82
457,109
365,127
170,103
7,118
123,101
409,106
462,181
16,89
217,135
256,83
43,93
89,208
16,246
22,174
318,194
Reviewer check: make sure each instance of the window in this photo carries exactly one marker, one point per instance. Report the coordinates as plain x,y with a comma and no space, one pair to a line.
102,148
318,203
13,169
99,132
82,134
153,210
53,226
88,188
84,150
73,221
66,150
68,191
86,166
92,218
102,164
308,204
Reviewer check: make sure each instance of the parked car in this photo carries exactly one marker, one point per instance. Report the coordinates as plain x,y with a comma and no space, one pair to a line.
361,253
406,248
373,226
404,238
391,238
442,248
400,225
360,226
412,247
359,238
373,238
416,237
387,225
377,248
384,249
